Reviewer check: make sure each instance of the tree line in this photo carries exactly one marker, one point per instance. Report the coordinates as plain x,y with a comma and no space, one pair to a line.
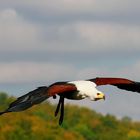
80,123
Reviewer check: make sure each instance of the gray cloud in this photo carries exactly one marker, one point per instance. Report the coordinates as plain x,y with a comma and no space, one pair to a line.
96,36
109,7
30,72
19,34
16,33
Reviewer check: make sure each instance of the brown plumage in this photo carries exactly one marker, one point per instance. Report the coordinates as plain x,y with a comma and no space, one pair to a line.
121,83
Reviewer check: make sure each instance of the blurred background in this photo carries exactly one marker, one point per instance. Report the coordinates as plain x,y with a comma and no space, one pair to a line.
44,41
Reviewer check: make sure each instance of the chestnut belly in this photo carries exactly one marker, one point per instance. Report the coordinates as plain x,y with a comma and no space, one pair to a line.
74,96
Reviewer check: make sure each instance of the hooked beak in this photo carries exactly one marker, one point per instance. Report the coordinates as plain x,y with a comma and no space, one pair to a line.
100,96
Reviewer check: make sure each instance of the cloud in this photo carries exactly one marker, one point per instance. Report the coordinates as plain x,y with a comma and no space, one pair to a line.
63,7
31,72
20,34
97,37
16,33
109,35
131,71
128,71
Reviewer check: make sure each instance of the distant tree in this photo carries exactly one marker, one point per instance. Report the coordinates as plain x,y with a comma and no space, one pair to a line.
3,98
126,119
38,123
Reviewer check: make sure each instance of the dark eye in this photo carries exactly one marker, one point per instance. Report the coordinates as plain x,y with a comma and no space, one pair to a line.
98,93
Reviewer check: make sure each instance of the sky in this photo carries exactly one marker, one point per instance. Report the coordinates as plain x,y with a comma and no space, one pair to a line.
45,41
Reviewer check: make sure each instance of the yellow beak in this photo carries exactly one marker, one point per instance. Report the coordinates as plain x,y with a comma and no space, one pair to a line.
100,96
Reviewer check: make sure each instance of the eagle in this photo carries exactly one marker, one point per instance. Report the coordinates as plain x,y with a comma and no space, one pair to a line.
73,90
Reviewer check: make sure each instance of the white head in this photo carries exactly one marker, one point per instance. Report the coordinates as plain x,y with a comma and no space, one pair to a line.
99,95
88,89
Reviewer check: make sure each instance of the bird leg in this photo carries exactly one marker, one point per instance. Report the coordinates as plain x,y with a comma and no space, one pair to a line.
62,111
58,107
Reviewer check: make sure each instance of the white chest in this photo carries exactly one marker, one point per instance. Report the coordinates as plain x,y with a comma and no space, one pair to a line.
85,89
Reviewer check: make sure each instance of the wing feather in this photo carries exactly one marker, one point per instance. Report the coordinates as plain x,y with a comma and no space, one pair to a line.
36,94
121,83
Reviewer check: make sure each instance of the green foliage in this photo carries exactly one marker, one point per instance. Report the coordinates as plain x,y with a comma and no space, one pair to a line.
39,123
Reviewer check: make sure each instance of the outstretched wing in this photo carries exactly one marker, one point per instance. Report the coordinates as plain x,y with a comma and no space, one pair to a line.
28,100
34,96
121,83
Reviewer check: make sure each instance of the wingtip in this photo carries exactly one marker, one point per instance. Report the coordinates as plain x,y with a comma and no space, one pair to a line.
1,113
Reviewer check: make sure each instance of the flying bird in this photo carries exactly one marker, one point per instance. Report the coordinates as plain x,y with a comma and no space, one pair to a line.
74,90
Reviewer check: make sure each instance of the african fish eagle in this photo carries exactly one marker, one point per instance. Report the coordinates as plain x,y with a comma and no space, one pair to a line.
74,90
